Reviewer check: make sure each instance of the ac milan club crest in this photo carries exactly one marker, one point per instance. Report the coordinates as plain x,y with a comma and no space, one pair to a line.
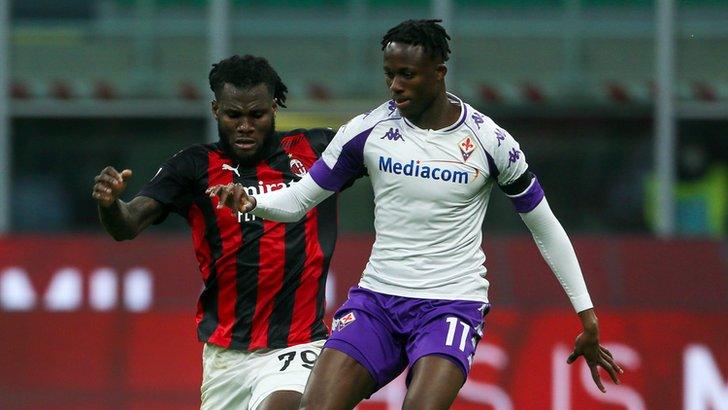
466,147
298,168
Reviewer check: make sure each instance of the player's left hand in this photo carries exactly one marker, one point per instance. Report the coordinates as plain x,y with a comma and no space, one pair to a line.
232,196
587,345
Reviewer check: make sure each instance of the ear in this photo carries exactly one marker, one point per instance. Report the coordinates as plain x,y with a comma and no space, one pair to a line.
275,106
441,71
214,106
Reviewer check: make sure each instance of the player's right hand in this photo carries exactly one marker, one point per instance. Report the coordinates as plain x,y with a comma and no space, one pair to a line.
232,196
596,356
109,184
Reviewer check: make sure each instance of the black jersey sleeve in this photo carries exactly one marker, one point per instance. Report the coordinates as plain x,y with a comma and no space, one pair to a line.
319,138
519,185
174,183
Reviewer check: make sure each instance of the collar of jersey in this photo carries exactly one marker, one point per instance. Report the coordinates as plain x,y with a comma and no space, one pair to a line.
449,128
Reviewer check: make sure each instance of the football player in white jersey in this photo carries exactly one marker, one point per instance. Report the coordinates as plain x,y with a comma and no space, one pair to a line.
432,160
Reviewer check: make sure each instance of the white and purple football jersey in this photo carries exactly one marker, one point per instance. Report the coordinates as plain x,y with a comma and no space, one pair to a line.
431,191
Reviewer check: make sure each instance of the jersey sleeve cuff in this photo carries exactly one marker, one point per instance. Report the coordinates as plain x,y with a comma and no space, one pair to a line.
581,302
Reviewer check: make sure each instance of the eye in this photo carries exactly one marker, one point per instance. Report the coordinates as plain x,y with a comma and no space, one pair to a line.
257,114
408,75
233,114
388,75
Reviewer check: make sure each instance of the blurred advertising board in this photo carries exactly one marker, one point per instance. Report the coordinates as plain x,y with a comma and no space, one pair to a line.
88,323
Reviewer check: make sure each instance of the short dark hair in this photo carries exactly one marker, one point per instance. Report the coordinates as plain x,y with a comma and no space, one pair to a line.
426,33
247,71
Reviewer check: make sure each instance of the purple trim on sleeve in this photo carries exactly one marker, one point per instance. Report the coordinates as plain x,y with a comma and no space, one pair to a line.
492,169
529,199
349,164
321,174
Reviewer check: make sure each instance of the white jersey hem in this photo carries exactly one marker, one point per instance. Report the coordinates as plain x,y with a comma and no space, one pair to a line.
420,294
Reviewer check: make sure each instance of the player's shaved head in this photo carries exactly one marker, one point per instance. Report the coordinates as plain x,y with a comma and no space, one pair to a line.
426,33
246,72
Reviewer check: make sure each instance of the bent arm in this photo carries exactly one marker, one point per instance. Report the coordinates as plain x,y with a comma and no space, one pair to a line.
125,220
291,204
558,252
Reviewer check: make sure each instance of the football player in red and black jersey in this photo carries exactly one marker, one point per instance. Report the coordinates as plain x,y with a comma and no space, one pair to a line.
260,314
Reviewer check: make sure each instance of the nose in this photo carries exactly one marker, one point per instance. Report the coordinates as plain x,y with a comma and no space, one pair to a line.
395,87
245,126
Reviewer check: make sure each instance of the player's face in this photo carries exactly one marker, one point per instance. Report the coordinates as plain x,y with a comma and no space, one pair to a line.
245,118
414,78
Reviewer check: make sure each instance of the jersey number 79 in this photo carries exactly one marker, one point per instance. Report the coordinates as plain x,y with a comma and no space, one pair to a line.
308,357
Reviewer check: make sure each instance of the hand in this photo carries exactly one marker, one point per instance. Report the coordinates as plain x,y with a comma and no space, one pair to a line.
587,345
233,196
109,185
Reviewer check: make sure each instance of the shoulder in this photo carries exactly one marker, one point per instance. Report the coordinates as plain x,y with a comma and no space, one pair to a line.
313,135
193,152
191,158
386,111
315,138
486,130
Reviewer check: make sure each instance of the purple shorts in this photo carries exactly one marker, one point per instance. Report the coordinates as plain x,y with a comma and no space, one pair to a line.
387,334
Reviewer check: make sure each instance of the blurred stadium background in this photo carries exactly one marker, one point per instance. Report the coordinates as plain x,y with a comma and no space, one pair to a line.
621,106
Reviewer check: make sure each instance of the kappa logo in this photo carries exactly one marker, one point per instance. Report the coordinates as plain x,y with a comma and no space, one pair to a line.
391,107
393,135
513,156
478,119
466,147
228,167
500,135
343,322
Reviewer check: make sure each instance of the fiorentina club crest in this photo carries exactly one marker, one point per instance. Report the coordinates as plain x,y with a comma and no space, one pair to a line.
297,167
466,147
343,321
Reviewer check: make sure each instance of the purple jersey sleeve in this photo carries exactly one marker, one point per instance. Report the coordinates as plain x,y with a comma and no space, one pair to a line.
342,161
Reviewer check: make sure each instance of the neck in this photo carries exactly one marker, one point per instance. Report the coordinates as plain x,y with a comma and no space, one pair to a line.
438,115
253,159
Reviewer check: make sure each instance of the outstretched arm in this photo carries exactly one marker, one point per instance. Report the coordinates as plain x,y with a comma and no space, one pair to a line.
509,168
558,252
284,205
120,219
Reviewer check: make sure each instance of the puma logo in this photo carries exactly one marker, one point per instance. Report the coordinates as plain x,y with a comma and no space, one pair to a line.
227,167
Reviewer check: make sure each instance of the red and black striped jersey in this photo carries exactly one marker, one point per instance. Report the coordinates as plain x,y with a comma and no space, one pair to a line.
264,281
